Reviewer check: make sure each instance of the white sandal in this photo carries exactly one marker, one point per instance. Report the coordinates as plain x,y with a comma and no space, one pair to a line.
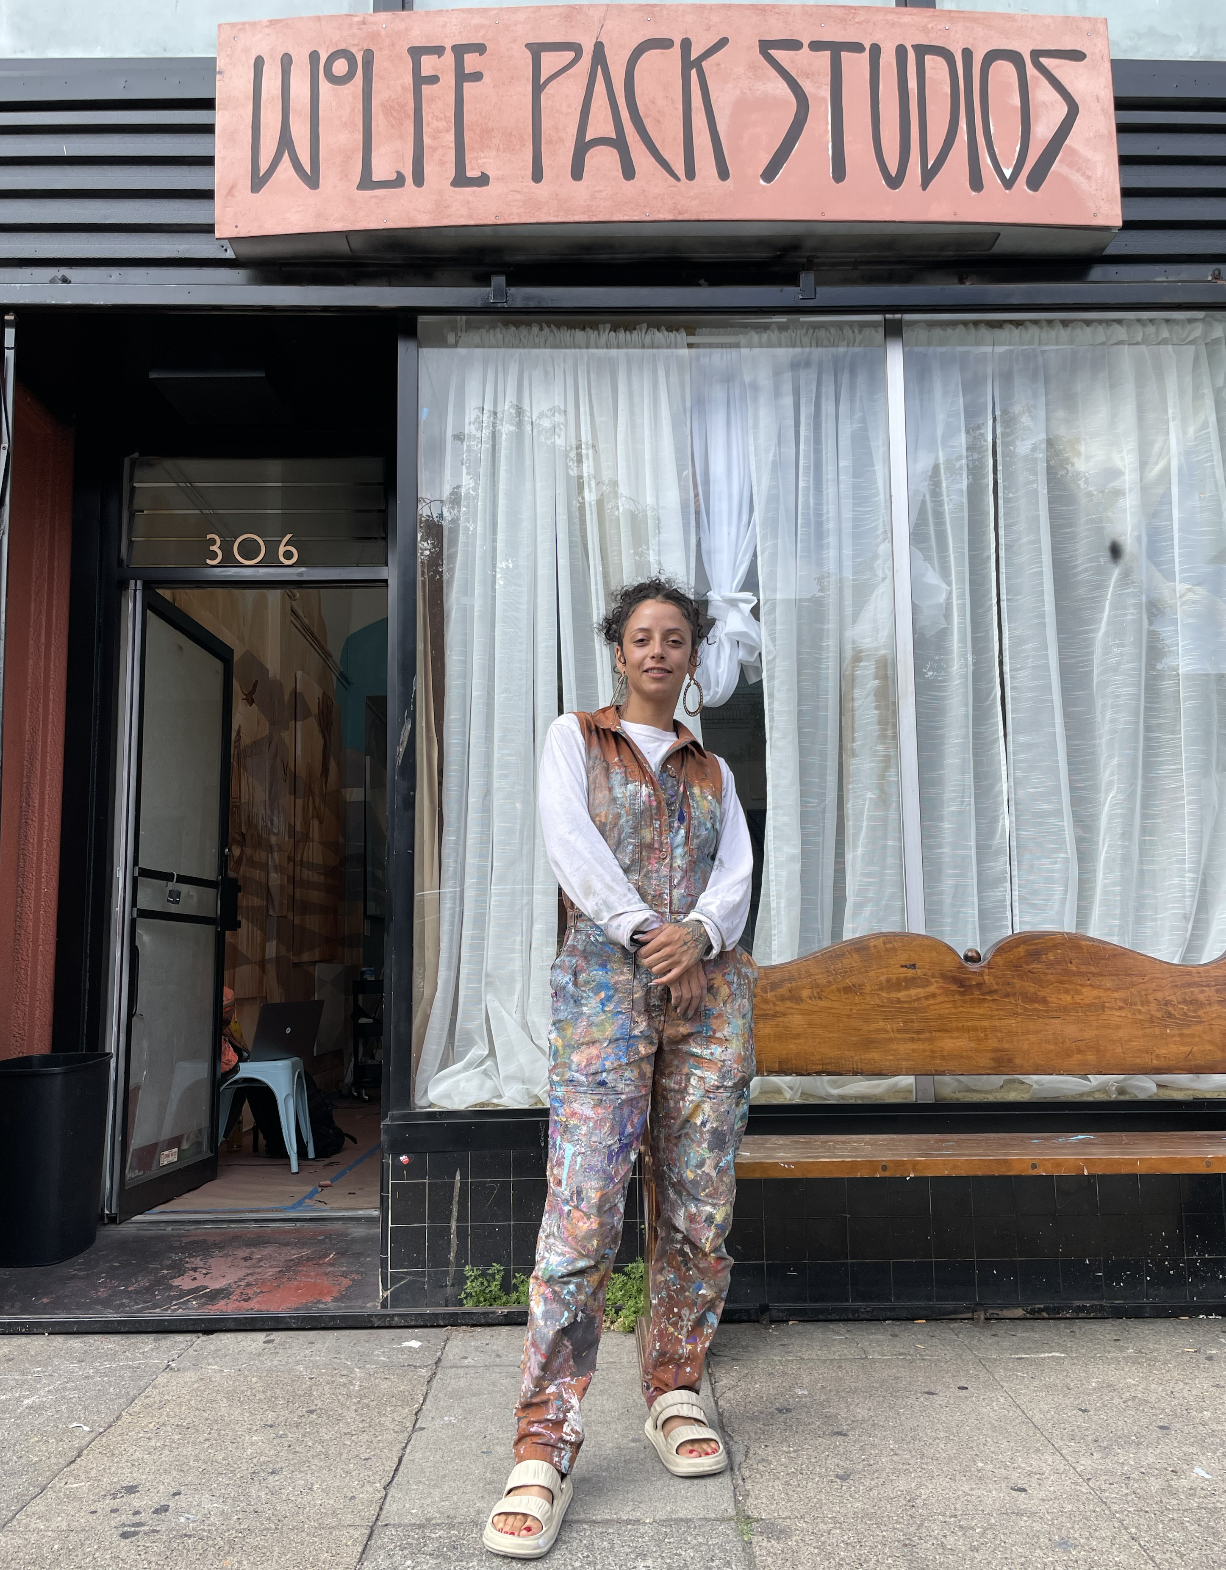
683,1403
549,1514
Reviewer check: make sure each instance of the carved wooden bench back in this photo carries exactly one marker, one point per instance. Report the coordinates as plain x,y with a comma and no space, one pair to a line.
1039,1003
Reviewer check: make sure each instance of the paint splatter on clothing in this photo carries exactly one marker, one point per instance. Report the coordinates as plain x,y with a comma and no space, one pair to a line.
623,1062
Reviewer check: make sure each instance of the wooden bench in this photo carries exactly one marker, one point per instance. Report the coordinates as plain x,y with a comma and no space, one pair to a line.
977,1155
1039,1003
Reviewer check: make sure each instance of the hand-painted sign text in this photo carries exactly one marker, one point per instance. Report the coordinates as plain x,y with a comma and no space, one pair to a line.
770,116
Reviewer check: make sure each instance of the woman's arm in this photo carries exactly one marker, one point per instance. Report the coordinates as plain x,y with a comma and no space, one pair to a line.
674,953
723,906
581,860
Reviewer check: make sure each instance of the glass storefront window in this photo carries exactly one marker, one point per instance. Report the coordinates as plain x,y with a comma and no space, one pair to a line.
749,461
1068,530
1068,539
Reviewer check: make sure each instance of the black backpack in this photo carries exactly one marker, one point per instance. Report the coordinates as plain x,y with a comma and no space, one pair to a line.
326,1134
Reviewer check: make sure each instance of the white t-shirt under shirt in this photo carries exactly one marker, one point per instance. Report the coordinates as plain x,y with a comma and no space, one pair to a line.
588,870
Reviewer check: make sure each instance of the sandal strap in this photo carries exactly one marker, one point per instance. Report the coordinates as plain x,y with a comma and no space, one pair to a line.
538,1474
524,1504
677,1403
682,1436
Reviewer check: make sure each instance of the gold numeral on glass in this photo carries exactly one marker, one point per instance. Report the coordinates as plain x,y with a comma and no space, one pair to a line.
249,561
287,554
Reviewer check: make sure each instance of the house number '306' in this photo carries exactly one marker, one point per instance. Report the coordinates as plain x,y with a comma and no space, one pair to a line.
287,554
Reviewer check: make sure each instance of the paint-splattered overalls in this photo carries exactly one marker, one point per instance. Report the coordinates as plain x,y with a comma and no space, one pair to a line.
618,1050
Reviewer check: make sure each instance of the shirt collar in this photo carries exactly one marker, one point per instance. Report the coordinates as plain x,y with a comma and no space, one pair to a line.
609,718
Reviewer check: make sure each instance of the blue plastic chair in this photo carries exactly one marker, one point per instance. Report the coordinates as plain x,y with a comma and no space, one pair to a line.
284,1077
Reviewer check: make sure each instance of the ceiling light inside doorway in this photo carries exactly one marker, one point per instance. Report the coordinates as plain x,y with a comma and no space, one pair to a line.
222,397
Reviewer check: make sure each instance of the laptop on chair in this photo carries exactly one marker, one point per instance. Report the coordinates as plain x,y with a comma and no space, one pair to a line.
286,1030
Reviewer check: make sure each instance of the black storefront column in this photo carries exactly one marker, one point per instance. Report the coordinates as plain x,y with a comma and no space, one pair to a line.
401,774
401,738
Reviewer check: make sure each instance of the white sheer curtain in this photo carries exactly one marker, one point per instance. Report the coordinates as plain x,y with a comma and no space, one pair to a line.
832,866
1068,496
561,467
819,466
628,507
959,716
726,535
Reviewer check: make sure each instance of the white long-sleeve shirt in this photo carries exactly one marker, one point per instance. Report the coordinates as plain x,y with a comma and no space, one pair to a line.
590,873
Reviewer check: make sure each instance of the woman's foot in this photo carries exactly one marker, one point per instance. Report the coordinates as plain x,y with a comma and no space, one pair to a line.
684,1440
525,1522
528,1526
691,1447
522,1525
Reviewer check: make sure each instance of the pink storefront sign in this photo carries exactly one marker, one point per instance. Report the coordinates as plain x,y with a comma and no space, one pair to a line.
654,127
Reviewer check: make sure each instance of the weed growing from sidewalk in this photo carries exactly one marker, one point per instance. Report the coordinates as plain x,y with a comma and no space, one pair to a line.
625,1298
484,1289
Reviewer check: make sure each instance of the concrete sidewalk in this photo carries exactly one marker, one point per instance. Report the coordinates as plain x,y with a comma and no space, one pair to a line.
1094,1444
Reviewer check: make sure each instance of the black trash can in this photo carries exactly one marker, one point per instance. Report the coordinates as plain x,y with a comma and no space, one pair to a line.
52,1133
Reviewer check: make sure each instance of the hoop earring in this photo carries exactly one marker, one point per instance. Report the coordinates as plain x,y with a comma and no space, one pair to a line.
693,713
620,690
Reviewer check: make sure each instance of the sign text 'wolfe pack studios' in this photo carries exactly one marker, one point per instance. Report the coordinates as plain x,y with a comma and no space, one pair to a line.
776,116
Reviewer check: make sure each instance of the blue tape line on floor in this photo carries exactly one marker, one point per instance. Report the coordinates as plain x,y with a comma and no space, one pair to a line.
298,1203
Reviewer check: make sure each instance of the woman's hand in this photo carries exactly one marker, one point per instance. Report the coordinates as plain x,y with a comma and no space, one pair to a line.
671,954
689,991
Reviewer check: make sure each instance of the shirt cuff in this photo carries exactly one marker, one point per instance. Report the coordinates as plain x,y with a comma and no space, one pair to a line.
623,927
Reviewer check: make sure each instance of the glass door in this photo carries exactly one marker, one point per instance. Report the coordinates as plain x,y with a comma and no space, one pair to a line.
177,874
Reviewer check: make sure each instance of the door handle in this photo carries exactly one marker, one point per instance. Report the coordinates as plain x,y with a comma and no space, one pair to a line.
133,978
231,888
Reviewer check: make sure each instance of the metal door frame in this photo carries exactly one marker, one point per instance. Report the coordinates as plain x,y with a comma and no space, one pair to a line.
128,589
141,603
131,645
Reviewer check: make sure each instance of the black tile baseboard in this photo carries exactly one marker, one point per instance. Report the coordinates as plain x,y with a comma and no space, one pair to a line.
999,1242
1009,1244
448,1210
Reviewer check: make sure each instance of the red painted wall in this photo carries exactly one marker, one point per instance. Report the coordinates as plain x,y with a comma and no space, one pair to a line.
36,663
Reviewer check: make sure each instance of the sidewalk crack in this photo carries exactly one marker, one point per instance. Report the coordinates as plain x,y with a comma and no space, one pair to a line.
1068,1461
98,1433
738,1454
395,1473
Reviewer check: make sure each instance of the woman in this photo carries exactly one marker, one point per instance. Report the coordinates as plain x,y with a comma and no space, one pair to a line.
652,1029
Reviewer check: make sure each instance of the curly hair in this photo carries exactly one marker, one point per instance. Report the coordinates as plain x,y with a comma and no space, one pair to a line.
627,599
